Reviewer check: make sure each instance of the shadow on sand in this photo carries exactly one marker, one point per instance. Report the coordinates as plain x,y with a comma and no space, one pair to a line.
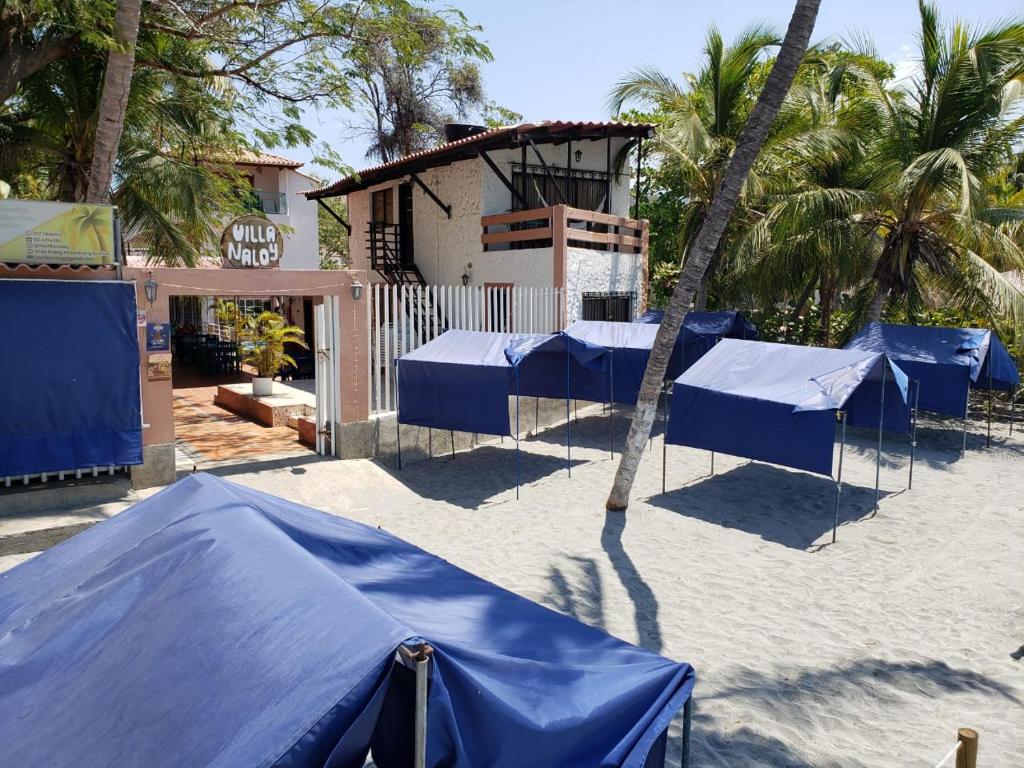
791,508
468,479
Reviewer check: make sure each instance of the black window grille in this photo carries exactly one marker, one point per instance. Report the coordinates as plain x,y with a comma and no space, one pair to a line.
581,188
616,306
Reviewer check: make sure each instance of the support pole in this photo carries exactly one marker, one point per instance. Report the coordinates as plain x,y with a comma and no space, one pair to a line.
418,657
536,416
967,755
712,463
451,434
430,442
1013,398
687,719
398,423
611,406
967,408
988,437
568,421
841,415
664,434
913,432
517,433
881,422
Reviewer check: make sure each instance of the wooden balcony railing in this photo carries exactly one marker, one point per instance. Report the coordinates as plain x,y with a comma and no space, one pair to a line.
561,226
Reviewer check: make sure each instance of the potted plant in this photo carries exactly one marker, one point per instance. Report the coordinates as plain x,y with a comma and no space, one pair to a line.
266,335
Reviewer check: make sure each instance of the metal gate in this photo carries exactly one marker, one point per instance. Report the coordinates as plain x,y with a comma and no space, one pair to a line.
327,332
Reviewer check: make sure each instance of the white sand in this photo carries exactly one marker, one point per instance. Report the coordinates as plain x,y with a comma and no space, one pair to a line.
868,653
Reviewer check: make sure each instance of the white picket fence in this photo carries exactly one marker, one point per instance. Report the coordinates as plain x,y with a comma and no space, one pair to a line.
405,317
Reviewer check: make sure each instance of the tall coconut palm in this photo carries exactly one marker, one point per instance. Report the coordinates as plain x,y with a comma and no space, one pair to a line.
170,201
940,138
749,143
703,119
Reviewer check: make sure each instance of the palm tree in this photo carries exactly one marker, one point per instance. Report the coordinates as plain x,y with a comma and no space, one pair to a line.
701,122
117,83
939,140
169,198
749,143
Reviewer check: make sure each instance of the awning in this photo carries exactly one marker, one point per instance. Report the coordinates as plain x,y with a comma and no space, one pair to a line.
702,330
778,402
214,625
946,361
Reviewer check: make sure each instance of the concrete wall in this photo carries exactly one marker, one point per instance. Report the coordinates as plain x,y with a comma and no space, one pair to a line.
601,271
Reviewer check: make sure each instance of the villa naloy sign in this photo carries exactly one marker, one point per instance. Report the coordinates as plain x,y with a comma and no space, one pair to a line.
252,242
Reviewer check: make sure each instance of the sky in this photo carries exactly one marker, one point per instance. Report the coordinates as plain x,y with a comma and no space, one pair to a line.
557,59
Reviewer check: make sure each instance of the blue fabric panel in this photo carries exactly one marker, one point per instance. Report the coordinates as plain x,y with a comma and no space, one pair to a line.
215,625
753,429
999,370
449,396
71,393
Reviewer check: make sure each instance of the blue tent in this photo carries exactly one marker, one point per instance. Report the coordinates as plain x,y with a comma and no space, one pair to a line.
702,330
214,625
462,380
947,362
778,402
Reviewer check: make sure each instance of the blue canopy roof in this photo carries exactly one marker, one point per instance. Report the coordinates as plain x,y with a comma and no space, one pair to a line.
462,380
214,625
946,361
777,402
702,330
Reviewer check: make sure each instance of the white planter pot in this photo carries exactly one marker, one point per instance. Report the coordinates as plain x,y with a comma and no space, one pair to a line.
262,387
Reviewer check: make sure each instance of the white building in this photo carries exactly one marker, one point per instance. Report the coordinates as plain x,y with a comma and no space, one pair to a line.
543,205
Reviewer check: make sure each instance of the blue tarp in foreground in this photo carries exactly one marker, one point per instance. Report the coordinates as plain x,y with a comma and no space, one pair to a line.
214,625
70,391
778,402
946,361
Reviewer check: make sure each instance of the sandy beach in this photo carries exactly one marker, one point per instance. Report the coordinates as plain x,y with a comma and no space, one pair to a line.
867,653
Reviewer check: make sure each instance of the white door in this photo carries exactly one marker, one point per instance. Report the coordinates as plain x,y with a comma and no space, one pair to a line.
325,318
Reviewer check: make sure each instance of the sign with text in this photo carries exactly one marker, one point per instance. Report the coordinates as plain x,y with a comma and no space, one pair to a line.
252,242
45,232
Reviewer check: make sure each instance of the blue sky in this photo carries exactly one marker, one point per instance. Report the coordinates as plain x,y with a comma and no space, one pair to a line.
556,59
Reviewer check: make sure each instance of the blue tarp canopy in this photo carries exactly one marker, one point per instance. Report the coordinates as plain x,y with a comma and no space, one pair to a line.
214,625
462,379
778,402
70,389
946,361
702,330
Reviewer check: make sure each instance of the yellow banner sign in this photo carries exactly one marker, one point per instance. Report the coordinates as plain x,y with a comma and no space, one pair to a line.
43,232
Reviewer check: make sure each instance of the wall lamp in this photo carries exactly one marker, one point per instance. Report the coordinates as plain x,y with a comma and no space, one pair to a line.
578,155
357,290
151,286
465,273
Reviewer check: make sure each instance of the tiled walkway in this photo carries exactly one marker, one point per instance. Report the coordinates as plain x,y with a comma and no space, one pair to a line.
205,432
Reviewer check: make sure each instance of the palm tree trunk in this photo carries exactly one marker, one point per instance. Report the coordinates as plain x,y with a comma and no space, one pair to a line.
827,292
878,301
117,84
747,148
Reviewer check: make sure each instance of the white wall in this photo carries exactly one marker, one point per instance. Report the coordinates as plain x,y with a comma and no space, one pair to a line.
444,246
302,246
600,271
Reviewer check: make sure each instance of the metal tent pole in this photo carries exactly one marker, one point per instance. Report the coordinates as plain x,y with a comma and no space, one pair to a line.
913,432
664,434
611,406
839,475
398,423
430,442
687,718
419,656
712,463
988,437
881,422
1013,398
536,416
967,406
517,433
568,421
451,434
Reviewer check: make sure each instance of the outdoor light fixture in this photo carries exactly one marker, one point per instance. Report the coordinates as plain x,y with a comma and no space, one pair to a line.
579,155
150,285
357,290
465,278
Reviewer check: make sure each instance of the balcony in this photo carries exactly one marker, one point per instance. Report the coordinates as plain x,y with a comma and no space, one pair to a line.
261,201
560,226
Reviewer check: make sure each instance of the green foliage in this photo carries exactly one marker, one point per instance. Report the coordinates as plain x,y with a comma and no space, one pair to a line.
333,237
267,335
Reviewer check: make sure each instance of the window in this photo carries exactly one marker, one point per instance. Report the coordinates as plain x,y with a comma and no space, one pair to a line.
614,306
383,211
582,189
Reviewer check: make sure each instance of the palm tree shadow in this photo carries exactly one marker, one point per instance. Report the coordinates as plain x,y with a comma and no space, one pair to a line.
645,604
794,509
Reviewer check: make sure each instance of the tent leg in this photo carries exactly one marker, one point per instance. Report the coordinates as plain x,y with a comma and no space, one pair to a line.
712,463
839,474
611,406
536,416
517,434
575,410
398,440
687,720
451,433
913,433
419,655
1013,397
967,405
430,442
881,422
664,435
988,436
568,421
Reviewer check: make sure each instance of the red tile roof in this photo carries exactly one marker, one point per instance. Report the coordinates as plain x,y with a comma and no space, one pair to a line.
252,158
497,138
